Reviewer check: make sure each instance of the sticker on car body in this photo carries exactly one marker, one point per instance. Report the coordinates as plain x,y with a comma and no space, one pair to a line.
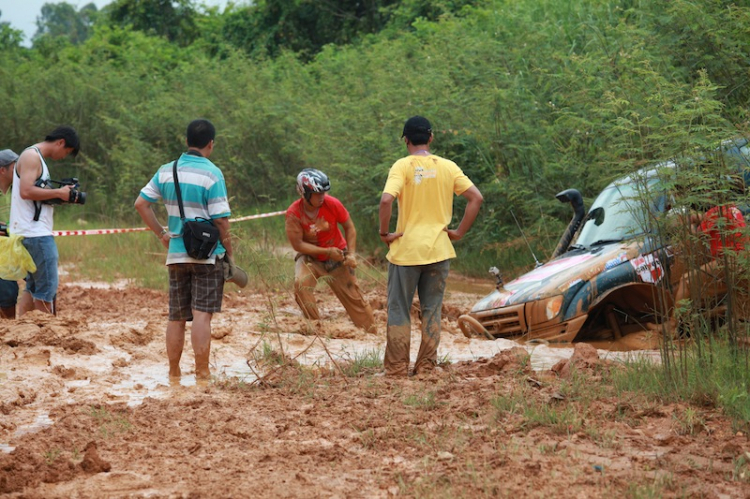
621,258
648,267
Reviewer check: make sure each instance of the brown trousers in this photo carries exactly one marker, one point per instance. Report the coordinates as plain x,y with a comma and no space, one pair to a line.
342,281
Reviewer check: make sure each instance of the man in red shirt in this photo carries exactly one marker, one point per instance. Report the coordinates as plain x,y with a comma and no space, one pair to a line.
312,227
722,227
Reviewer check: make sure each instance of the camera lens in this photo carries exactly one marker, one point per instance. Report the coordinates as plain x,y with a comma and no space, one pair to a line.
77,197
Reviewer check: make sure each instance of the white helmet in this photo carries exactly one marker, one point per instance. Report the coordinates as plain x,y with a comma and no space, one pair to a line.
310,181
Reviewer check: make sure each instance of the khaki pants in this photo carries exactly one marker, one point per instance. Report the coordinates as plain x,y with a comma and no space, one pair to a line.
342,281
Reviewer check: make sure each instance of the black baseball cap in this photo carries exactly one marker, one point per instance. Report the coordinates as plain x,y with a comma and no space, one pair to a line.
416,125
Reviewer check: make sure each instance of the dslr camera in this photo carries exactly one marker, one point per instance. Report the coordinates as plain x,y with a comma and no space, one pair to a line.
76,196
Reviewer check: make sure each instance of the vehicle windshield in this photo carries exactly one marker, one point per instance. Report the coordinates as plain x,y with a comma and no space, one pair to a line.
621,211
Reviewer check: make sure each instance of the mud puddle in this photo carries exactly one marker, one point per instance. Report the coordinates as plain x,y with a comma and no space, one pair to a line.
86,403
100,348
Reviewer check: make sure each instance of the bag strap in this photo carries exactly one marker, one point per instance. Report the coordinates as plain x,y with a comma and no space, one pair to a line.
37,204
177,188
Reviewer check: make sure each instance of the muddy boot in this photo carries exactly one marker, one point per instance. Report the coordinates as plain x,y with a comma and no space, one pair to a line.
201,367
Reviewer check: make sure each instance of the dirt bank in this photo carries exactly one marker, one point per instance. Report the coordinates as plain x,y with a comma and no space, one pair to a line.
87,411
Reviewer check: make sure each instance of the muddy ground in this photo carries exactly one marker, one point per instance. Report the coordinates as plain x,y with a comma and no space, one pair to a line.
87,410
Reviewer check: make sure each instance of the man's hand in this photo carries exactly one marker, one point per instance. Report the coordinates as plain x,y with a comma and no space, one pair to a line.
64,192
335,254
453,234
390,237
350,261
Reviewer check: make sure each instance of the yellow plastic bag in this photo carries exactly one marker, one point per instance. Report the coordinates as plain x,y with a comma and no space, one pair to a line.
15,260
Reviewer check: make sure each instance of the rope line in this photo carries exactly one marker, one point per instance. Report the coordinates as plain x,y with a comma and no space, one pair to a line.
95,232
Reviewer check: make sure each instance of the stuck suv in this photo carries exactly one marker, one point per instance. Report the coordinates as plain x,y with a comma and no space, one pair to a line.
614,279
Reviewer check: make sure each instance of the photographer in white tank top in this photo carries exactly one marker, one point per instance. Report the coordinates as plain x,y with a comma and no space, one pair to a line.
31,218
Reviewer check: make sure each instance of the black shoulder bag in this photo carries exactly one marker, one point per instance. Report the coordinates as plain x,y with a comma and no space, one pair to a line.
200,235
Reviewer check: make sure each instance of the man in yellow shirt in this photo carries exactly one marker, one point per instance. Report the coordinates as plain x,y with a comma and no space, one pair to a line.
420,250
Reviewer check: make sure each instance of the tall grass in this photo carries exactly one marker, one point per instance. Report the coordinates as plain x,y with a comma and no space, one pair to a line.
136,257
720,380
259,247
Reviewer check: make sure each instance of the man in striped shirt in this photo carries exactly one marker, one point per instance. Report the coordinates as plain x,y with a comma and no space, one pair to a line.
195,286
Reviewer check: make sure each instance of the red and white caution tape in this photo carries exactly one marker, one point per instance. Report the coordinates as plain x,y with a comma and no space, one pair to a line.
262,215
94,232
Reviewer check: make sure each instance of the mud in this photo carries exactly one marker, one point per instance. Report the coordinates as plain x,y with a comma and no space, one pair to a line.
87,410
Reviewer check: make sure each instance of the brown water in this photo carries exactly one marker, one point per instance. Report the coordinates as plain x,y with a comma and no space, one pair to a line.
471,286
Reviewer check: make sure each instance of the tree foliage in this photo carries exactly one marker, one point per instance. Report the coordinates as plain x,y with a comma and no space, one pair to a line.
9,38
268,27
529,97
63,20
173,19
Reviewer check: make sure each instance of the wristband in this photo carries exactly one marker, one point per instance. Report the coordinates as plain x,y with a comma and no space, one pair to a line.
383,234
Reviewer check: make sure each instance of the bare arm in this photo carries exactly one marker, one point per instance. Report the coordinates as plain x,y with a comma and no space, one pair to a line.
29,168
384,214
226,238
294,235
350,234
145,210
475,199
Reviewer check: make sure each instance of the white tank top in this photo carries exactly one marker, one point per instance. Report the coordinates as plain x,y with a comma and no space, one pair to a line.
22,210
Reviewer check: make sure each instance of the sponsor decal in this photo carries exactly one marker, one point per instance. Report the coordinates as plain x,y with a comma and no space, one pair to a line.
493,301
621,258
552,268
648,267
500,302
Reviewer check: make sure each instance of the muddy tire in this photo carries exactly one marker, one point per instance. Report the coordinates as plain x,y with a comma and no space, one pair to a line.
472,328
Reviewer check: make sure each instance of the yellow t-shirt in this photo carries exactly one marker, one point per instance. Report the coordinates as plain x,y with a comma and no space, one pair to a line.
424,187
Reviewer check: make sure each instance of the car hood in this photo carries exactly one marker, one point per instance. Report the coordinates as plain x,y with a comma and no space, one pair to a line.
557,276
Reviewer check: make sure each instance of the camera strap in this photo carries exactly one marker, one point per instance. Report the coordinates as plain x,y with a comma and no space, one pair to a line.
37,204
37,210
179,192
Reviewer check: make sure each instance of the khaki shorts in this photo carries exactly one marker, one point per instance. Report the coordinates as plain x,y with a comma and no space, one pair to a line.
194,286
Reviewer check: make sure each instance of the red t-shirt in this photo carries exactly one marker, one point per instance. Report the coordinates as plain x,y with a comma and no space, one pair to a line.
323,231
732,227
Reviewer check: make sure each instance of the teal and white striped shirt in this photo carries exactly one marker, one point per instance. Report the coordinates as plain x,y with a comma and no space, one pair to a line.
204,195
